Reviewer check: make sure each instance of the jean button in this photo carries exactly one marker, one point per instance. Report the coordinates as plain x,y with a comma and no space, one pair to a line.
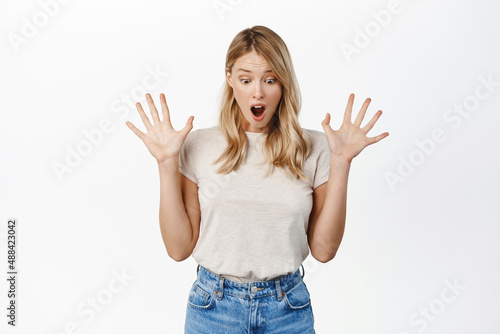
254,289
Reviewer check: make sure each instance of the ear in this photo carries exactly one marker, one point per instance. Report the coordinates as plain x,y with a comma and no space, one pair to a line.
229,77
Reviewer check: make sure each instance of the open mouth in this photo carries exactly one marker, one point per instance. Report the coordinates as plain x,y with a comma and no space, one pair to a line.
258,110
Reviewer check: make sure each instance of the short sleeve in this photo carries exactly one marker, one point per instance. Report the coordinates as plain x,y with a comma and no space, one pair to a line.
187,157
322,163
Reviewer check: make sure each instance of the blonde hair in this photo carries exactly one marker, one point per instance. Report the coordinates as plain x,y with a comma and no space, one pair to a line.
286,143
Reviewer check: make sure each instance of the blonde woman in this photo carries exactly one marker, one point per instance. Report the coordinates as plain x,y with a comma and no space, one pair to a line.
250,197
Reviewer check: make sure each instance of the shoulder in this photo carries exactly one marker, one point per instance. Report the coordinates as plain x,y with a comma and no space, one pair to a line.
204,134
314,133
204,140
317,138
209,131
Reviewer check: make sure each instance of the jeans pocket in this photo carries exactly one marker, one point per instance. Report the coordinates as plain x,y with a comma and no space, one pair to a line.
200,296
297,297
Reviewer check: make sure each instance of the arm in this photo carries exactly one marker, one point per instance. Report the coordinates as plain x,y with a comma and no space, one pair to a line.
179,207
179,211
327,220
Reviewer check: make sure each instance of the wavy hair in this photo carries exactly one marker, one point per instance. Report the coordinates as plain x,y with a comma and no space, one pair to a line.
286,144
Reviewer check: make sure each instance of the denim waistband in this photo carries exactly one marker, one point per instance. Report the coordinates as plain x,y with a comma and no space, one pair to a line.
256,289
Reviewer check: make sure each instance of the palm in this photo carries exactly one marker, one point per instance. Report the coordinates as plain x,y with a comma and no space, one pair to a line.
162,141
348,141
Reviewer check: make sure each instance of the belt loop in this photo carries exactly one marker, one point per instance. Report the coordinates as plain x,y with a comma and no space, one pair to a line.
197,270
279,293
220,293
303,270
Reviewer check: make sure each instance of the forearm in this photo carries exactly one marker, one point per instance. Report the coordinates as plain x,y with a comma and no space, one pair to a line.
330,224
175,226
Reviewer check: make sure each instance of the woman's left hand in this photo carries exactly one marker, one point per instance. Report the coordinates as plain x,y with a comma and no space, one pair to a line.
348,141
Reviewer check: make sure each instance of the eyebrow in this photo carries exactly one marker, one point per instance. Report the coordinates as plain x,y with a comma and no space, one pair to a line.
248,71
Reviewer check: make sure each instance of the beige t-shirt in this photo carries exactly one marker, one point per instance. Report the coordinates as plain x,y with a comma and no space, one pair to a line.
252,228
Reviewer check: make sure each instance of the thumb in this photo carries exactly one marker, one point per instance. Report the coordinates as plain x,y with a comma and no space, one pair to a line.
326,122
188,127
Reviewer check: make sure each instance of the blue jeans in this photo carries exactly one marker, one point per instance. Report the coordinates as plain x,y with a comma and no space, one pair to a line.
277,306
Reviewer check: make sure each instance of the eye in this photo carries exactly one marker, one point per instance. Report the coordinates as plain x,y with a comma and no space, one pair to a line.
271,81
244,81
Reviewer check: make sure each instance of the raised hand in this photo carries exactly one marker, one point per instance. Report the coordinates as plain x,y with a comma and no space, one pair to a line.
348,141
162,141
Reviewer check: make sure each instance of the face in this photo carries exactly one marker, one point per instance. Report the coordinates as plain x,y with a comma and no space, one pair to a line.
253,84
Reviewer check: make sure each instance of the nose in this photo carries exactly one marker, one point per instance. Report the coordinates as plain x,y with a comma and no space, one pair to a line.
258,91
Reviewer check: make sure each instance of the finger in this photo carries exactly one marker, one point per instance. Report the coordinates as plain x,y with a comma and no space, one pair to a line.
373,140
152,109
326,123
165,111
371,123
144,118
348,109
138,132
188,127
362,112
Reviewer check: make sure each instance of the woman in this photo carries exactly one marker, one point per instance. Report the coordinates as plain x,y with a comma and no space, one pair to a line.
249,225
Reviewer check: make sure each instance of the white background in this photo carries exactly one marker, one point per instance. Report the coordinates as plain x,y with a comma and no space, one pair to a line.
404,240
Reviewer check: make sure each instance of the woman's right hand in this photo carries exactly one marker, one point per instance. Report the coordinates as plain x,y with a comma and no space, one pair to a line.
162,141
